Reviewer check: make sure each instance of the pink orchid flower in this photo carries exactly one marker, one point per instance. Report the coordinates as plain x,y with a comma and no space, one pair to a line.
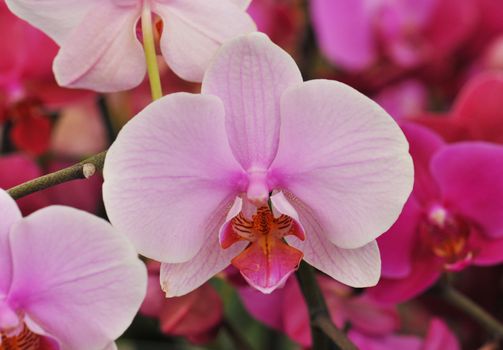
195,316
68,281
190,178
476,114
452,219
356,34
99,48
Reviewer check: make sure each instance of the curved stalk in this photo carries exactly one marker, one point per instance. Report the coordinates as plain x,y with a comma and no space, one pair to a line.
150,53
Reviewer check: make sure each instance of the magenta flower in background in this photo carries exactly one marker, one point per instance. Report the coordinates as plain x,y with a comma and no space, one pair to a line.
68,281
454,217
195,316
27,86
355,34
282,21
438,337
476,113
373,326
99,48
286,310
190,177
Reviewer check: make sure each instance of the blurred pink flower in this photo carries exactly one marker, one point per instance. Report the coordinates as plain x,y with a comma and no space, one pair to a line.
17,168
404,99
67,280
283,21
489,25
195,316
99,48
476,114
286,310
452,219
373,326
189,178
356,34
27,85
438,337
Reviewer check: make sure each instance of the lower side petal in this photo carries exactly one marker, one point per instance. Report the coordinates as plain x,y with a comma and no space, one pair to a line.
182,278
360,267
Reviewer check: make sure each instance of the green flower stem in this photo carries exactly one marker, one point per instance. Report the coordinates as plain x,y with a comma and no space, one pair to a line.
82,170
463,303
324,333
150,53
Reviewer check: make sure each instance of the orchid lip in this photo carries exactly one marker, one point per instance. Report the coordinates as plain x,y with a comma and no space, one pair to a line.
268,260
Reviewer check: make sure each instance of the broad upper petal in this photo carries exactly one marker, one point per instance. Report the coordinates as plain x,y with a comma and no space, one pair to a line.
103,53
9,214
75,276
250,74
345,158
194,30
168,173
56,18
470,177
360,267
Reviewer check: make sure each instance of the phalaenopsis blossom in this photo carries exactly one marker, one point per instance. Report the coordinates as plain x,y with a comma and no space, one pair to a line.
357,34
99,47
68,280
372,326
452,219
261,170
